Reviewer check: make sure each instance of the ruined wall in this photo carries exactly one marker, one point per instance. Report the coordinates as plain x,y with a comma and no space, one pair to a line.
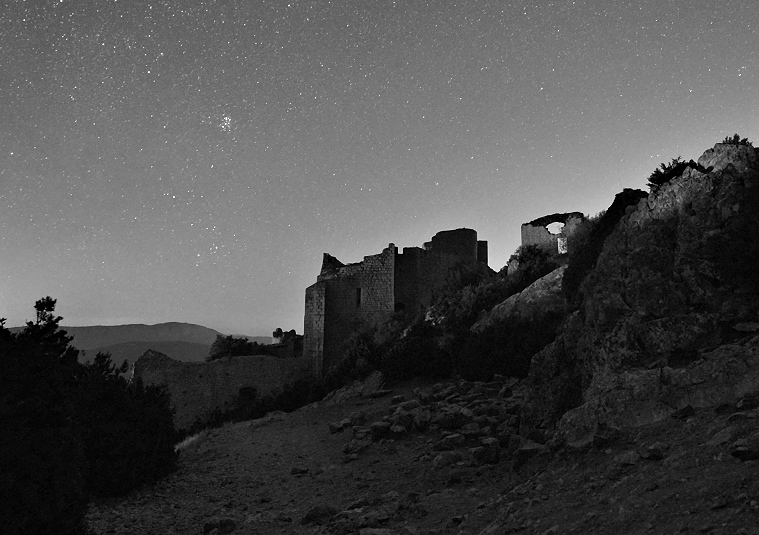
198,388
536,232
355,295
313,326
420,274
482,252
346,297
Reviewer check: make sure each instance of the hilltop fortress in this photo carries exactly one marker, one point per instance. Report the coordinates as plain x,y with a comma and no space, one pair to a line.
343,298
346,296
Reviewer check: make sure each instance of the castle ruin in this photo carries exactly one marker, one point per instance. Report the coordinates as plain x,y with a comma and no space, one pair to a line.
347,296
550,232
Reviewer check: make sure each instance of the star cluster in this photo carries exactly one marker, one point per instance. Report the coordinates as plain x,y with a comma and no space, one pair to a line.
191,161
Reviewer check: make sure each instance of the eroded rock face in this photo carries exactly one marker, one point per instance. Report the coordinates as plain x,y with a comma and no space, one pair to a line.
542,295
673,278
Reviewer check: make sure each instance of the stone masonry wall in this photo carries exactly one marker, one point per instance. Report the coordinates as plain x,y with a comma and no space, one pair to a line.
420,274
536,232
313,326
198,388
355,295
345,297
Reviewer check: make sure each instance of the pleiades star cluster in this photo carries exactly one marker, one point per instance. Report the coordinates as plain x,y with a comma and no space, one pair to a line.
191,161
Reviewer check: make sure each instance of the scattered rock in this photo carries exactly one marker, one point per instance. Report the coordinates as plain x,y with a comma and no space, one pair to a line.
627,458
398,431
319,515
683,413
722,437
357,418
422,420
746,449
222,526
449,442
655,452
526,451
488,452
355,446
447,458
380,430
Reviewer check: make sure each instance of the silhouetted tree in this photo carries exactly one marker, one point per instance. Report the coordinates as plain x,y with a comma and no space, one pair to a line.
736,140
70,431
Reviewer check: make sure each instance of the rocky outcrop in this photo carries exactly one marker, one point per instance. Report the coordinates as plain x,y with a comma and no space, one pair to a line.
542,295
667,308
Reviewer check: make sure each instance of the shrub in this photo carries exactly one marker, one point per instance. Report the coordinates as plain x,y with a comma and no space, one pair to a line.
42,462
230,346
736,140
128,428
416,354
70,431
667,172
533,262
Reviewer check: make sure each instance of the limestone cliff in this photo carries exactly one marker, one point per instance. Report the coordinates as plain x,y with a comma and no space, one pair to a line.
671,299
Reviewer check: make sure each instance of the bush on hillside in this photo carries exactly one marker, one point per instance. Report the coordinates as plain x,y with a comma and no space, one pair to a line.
416,354
230,346
736,140
128,428
668,171
68,431
42,461
533,262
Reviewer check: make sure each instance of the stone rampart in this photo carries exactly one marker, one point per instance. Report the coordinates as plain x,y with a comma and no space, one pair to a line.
198,388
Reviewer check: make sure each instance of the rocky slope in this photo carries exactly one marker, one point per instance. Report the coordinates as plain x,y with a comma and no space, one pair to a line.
668,311
449,459
641,417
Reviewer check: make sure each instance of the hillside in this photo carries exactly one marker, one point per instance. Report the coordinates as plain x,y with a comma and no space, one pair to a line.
638,414
291,474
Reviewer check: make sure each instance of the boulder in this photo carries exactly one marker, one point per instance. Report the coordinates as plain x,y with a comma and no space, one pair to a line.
379,430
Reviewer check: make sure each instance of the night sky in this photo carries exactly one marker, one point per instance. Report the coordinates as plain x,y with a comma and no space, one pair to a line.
191,160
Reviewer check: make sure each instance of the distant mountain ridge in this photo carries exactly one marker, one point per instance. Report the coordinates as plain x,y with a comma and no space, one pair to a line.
131,351
186,342
96,336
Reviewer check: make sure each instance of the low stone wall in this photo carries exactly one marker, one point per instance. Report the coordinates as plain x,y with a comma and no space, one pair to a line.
198,388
